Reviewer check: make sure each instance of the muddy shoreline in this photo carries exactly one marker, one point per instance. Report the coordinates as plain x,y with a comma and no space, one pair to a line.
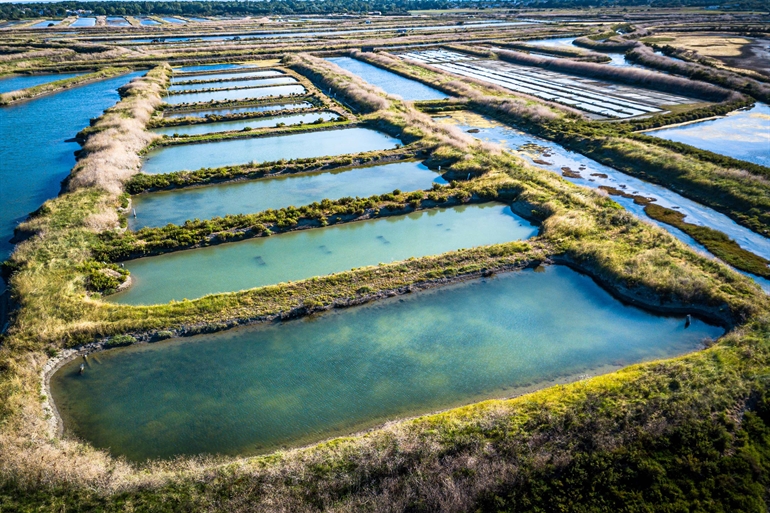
640,298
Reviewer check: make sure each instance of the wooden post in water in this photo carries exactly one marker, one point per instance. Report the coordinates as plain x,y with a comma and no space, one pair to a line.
687,321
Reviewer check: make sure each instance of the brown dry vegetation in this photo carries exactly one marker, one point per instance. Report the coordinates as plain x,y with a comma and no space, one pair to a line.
111,152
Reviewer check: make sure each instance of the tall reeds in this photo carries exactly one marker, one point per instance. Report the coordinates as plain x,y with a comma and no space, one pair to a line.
110,155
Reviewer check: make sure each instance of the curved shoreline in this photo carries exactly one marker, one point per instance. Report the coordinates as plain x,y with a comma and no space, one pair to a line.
626,296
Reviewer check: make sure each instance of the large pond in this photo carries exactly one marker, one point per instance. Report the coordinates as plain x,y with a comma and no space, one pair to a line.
744,134
37,154
266,149
257,82
316,252
229,126
214,77
387,81
256,389
14,82
238,110
234,94
550,155
161,208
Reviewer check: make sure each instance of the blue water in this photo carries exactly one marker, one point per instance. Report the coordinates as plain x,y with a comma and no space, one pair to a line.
229,126
387,81
230,84
209,67
117,21
266,149
14,82
234,94
174,20
45,23
84,22
238,110
743,135
213,77
244,197
35,156
255,389
148,22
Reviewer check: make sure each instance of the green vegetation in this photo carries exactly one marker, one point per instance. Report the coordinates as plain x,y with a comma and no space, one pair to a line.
686,434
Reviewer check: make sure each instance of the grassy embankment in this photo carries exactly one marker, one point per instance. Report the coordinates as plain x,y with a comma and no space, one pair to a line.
665,433
58,85
742,193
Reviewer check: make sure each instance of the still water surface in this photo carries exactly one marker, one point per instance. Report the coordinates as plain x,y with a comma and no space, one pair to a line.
316,252
238,110
161,208
257,82
230,126
387,81
266,149
256,389
233,94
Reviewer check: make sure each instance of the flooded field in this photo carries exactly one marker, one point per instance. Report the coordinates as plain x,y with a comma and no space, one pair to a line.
744,134
228,126
237,110
255,389
316,252
229,84
208,67
177,206
387,81
594,96
234,94
266,149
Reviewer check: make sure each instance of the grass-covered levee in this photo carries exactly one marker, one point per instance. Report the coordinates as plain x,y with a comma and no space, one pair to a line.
686,434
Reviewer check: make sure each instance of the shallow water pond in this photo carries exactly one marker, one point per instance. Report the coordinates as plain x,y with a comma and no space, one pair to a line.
208,67
744,134
233,94
316,252
161,208
229,126
256,389
238,110
257,82
387,81
553,157
266,149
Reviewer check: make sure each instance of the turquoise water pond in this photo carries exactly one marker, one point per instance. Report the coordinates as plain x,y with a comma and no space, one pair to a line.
256,389
257,82
177,206
315,252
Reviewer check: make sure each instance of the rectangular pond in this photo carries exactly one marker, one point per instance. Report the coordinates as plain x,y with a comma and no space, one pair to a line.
253,390
177,206
257,82
387,81
744,134
315,252
214,77
266,149
208,67
238,110
240,124
234,94
84,22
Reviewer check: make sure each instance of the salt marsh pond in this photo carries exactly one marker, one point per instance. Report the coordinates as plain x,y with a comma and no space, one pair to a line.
256,389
